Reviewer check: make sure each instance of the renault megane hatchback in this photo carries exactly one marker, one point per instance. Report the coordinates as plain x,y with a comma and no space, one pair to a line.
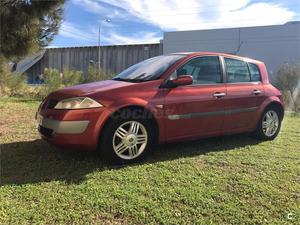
163,99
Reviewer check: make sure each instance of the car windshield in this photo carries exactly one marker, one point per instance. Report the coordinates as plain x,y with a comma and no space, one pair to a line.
149,69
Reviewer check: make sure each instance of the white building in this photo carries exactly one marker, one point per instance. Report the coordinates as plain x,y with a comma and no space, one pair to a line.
273,45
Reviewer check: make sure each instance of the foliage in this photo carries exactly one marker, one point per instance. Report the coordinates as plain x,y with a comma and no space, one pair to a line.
15,85
288,81
49,25
228,180
109,75
27,25
71,77
11,84
54,80
93,75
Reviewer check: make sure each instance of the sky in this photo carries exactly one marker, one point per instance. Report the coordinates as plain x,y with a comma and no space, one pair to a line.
145,21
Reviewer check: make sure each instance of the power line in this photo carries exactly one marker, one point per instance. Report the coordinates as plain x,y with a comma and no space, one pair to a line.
80,35
204,12
89,38
261,39
212,24
203,9
195,12
246,41
215,6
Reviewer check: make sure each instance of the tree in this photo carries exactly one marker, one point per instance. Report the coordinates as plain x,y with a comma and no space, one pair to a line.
288,81
27,25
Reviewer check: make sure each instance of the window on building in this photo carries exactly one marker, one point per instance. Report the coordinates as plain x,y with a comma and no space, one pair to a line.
237,71
204,70
254,72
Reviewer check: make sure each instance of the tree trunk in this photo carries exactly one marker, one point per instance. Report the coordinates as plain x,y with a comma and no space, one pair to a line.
293,100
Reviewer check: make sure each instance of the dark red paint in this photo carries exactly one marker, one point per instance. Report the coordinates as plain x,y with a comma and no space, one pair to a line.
116,95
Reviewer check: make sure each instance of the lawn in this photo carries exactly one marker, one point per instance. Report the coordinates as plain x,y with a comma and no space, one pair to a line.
224,180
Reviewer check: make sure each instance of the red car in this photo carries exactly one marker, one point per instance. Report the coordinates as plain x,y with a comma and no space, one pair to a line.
167,98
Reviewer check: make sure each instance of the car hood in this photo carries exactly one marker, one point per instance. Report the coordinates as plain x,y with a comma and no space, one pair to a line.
92,88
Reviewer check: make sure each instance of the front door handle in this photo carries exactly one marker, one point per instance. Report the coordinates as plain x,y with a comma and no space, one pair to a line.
219,94
256,92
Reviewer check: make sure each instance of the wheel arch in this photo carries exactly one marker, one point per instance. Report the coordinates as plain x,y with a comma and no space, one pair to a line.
277,105
269,102
116,113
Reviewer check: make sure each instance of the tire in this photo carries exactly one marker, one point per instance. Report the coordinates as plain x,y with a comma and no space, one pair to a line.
269,124
120,147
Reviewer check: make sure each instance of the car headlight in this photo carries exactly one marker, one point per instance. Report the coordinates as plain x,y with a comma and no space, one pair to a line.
77,103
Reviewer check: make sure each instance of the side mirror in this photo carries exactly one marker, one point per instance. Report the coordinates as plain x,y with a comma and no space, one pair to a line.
180,81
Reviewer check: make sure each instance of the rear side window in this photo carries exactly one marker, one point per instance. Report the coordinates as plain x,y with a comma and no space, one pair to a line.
237,71
204,70
254,72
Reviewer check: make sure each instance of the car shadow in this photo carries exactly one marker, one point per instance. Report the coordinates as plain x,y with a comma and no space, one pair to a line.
36,161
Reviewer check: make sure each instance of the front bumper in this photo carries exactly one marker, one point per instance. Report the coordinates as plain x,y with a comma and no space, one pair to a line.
62,127
72,129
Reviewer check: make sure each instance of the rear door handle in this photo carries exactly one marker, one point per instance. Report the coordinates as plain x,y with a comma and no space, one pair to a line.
219,94
256,92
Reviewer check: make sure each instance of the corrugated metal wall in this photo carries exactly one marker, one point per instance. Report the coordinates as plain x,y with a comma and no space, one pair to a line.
274,45
114,59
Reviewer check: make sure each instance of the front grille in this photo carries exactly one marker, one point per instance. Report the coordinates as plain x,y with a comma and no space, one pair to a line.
45,131
51,103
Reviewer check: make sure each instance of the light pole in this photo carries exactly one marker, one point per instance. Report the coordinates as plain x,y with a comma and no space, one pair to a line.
107,20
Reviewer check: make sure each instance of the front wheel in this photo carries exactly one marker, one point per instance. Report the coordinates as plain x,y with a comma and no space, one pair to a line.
127,141
269,124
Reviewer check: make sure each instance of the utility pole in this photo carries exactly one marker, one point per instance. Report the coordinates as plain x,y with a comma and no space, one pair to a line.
99,43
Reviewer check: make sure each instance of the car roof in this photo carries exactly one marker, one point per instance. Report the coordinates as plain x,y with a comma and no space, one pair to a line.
194,54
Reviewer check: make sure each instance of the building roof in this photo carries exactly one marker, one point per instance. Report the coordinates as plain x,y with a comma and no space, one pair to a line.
25,64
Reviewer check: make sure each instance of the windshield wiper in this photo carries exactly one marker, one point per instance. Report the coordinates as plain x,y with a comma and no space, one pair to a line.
129,80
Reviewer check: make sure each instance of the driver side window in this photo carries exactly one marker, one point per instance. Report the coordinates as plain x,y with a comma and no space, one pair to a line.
204,70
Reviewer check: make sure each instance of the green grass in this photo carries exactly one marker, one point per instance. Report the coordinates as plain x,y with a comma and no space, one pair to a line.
224,180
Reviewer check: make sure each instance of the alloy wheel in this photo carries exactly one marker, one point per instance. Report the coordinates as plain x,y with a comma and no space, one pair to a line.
130,140
270,123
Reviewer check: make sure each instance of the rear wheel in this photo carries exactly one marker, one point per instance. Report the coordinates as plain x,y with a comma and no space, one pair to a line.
269,124
127,140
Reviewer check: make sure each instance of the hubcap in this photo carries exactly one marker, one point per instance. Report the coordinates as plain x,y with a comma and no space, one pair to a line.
130,140
270,123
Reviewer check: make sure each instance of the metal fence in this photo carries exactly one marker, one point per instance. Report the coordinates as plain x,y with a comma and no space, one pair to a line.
113,59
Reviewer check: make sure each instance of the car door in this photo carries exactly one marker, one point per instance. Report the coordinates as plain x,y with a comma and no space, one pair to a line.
196,110
243,91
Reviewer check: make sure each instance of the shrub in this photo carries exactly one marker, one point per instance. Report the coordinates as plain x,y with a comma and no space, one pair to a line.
16,83
71,77
54,80
11,84
33,92
94,75
288,81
